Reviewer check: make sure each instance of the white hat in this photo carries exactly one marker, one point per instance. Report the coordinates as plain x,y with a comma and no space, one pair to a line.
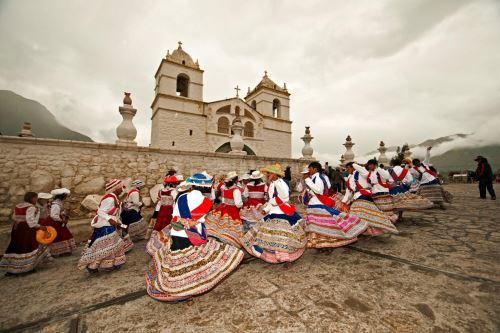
231,175
305,170
183,187
59,191
256,175
245,176
138,183
43,195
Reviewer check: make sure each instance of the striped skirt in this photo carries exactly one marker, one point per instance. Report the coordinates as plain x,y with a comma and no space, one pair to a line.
250,216
325,223
16,263
181,274
105,250
277,238
432,192
378,222
224,228
409,201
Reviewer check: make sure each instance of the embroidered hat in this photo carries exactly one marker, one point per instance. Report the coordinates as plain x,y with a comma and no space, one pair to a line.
43,195
200,179
183,187
138,183
274,168
231,175
173,179
113,184
256,175
59,191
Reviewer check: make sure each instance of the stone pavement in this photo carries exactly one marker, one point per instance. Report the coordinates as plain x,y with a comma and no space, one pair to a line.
440,274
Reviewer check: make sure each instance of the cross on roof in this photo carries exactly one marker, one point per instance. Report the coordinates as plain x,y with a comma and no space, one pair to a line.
237,91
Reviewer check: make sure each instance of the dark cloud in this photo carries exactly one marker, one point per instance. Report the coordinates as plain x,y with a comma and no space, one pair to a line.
398,71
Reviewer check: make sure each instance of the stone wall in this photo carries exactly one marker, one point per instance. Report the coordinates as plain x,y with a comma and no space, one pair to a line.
31,164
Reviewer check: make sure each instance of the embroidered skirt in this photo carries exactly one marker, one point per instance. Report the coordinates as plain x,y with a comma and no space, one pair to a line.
177,275
325,223
409,201
105,250
432,192
64,242
250,216
137,226
277,238
23,253
225,224
378,222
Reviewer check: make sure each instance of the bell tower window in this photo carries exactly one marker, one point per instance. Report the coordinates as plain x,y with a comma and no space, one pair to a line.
276,108
182,85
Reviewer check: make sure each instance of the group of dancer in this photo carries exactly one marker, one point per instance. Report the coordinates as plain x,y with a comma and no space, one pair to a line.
202,229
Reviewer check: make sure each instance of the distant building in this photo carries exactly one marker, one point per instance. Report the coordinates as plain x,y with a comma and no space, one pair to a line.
182,120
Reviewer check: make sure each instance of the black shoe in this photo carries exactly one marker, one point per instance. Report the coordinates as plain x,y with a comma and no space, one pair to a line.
493,198
92,271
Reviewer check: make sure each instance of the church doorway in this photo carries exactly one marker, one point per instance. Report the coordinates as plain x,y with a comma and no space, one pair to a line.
226,148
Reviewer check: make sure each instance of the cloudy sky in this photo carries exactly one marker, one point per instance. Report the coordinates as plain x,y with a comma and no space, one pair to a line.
392,70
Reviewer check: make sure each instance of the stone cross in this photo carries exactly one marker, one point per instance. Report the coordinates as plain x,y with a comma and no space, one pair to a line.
237,91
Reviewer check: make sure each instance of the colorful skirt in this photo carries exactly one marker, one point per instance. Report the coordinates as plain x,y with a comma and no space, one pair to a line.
137,226
157,240
325,223
277,238
385,203
432,192
378,222
164,217
24,253
106,249
64,242
181,274
250,216
223,224
409,201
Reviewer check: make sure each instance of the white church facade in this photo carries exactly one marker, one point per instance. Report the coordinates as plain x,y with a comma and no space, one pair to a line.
182,120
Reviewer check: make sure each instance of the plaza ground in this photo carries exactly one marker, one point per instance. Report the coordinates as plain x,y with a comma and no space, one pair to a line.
441,273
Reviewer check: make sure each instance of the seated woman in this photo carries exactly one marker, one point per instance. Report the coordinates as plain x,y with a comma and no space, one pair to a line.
105,248
280,236
326,226
358,201
131,216
185,262
24,253
251,212
224,222
64,244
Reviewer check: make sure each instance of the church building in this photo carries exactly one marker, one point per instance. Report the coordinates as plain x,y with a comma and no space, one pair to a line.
182,120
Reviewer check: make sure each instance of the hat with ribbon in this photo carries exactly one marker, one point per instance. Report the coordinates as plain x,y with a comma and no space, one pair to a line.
202,179
59,191
231,175
43,195
256,175
138,183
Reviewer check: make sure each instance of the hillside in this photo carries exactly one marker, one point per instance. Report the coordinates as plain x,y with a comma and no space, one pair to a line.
461,159
15,110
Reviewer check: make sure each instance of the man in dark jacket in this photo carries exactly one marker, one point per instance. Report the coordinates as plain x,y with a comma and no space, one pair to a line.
485,177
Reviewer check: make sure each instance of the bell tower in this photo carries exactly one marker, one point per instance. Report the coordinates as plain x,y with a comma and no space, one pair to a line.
177,118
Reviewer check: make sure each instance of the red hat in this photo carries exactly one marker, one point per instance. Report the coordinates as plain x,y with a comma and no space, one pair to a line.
173,179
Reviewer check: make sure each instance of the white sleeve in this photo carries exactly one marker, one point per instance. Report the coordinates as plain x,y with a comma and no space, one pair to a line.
384,174
245,192
299,187
348,193
316,186
32,216
135,198
55,213
107,206
408,179
238,202
360,169
283,190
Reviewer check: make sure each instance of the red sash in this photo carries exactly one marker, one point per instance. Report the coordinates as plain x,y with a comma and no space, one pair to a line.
379,180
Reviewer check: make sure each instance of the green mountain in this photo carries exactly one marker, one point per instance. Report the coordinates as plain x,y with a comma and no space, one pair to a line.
461,159
15,110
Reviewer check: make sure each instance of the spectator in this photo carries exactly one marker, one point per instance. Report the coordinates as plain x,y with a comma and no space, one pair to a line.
337,180
485,177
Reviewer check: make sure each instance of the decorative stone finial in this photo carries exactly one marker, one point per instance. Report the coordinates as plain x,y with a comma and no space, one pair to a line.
307,150
26,131
265,73
349,154
236,142
248,91
284,86
168,53
126,131
180,45
127,100
382,158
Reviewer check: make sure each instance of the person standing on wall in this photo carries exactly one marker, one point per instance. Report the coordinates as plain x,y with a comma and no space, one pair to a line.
485,177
